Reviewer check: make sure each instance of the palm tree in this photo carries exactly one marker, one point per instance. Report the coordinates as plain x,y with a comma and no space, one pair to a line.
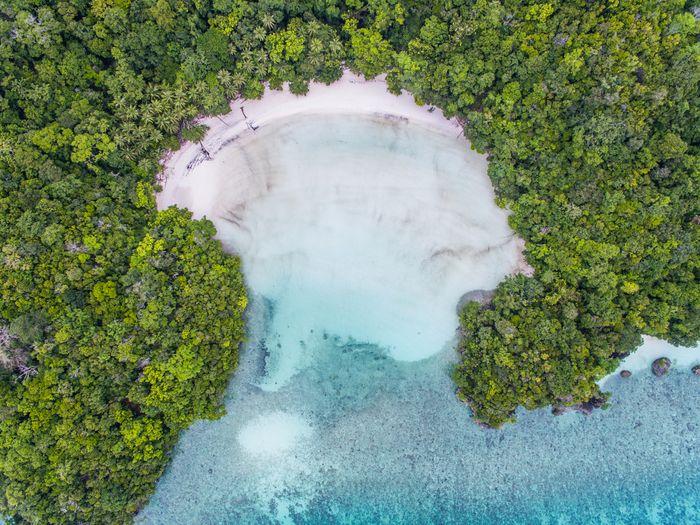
237,81
268,21
313,27
335,46
246,64
131,113
259,33
315,47
149,114
261,62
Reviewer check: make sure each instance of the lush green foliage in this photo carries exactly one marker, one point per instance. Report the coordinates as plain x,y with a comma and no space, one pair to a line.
119,326
589,111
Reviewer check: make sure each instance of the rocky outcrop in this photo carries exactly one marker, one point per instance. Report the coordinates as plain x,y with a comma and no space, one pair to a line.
661,366
482,297
582,408
625,373
696,370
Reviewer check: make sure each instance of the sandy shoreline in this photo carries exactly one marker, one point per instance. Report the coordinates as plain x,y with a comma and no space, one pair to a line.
356,211
351,94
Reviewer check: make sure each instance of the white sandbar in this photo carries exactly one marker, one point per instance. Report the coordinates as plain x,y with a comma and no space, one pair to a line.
273,433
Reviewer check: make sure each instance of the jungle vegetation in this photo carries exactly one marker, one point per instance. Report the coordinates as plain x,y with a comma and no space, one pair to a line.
120,325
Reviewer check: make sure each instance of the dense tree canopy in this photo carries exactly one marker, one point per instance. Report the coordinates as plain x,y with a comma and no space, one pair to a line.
589,113
120,325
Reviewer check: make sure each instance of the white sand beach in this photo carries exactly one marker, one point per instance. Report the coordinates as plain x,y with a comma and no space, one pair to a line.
361,219
356,212
351,94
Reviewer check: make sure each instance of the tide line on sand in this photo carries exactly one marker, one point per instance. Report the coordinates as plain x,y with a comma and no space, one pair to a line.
351,94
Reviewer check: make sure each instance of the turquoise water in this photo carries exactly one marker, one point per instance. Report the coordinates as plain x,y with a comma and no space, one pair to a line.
371,229
359,225
391,444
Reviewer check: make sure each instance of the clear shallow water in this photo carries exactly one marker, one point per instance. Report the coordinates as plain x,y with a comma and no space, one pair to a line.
386,442
359,225
323,428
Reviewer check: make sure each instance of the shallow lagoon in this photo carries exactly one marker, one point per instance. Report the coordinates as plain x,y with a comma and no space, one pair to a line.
386,441
333,417
362,226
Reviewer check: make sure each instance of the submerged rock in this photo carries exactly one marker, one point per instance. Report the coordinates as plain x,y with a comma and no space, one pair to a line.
625,373
661,366
559,410
696,370
593,403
